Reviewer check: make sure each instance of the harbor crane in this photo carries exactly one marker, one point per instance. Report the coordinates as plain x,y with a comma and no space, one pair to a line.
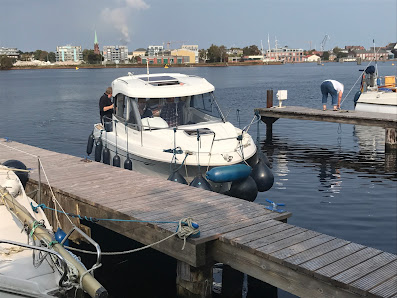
325,39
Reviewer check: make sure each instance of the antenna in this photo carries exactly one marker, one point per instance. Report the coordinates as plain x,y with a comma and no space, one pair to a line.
147,69
376,61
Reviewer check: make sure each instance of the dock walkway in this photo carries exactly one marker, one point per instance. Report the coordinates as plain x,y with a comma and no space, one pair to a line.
241,234
387,121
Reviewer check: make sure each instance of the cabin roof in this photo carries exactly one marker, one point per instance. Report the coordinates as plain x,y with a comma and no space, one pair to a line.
161,85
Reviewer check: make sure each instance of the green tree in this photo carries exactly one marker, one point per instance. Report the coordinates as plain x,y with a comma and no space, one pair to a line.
222,53
251,51
5,62
203,55
213,54
37,54
90,57
51,57
326,56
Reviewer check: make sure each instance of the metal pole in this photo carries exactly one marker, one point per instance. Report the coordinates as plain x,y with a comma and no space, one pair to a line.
39,167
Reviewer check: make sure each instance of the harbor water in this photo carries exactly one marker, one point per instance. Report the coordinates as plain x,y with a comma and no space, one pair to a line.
335,178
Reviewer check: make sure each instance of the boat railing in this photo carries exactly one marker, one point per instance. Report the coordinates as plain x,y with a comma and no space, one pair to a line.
89,239
47,250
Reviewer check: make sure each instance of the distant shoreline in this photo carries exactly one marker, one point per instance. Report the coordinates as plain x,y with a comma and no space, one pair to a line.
99,66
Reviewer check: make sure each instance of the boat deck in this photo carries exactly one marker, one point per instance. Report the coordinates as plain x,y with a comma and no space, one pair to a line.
242,234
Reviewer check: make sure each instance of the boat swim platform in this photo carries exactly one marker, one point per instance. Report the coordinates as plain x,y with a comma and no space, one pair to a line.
386,121
243,235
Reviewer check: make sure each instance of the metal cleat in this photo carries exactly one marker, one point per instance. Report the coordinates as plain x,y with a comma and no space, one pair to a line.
274,206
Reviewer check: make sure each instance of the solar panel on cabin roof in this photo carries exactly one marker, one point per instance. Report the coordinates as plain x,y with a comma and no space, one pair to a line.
161,78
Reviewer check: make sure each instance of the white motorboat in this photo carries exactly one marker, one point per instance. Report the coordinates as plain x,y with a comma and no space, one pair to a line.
375,95
32,262
171,123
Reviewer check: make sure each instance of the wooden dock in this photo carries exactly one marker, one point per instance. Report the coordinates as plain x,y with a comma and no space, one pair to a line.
387,121
241,234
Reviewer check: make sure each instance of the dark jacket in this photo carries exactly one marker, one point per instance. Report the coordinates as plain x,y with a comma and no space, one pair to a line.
105,101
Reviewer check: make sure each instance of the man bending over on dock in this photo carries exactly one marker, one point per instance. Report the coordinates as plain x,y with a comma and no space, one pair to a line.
335,89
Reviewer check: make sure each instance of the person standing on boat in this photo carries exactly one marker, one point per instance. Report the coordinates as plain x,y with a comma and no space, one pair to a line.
105,105
333,88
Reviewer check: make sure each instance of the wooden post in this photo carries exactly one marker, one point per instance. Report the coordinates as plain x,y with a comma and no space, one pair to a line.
193,282
390,139
269,101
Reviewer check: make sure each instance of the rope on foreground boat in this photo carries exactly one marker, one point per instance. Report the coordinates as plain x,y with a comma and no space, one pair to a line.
55,201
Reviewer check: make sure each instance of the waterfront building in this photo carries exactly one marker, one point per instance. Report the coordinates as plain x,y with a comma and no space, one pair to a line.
354,48
193,57
9,52
96,45
233,59
139,52
69,53
285,54
379,54
193,48
115,54
155,50
163,60
313,58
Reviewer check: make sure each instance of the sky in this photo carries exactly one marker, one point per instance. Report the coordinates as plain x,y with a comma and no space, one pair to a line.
44,24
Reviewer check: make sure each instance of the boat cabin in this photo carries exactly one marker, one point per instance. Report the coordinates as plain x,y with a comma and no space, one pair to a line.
140,102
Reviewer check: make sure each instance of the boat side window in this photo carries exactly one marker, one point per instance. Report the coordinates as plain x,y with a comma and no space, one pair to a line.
121,106
132,112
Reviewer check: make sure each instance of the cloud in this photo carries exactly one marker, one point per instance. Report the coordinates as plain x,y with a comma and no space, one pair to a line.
118,16
138,4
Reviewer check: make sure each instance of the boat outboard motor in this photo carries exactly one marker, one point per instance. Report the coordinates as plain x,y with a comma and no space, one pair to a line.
90,143
200,182
371,71
98,149
245,189
16,164
262,176
177,177
128,164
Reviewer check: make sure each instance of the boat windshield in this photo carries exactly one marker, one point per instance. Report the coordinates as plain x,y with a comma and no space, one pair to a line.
206,103
174,111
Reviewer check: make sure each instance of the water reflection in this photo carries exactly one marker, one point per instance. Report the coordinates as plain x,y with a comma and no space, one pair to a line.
330,178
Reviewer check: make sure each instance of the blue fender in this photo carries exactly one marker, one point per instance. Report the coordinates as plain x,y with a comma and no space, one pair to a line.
228,173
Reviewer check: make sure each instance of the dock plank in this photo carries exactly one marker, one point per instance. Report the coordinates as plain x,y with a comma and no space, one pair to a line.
386,289
360,270
346,263
375,278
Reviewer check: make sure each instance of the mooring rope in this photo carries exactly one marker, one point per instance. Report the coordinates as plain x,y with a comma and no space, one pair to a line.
186,227
369,63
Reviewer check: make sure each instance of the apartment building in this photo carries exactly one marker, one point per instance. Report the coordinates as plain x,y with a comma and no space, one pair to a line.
69,53
115,54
